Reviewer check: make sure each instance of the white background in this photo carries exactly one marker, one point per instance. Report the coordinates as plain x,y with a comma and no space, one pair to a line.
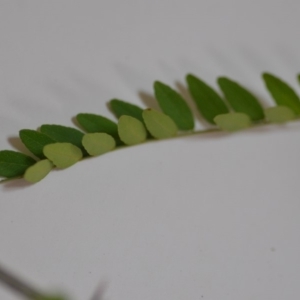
205,217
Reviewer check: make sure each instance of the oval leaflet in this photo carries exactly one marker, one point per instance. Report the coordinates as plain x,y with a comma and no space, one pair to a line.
98,143
38,171
63,155
159,125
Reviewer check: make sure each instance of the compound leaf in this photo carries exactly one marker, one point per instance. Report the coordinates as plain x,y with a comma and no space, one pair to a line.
63,155
13,164
208,102
279,114
173,105
233,121
35,141
282,93
38,171
159,125
98,143
131,130
240,99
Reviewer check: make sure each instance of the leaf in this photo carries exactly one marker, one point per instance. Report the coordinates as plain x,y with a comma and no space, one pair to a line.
63,155
49,297
173,105
159,125
131,130
279,114
208,102
240,99
13,164
35,141
121,108
233,121
38,171
63,134
98,143
282,93
94,123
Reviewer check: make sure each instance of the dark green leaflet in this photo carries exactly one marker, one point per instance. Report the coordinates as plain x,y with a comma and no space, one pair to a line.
121,108
63,134
43,297
298,77
240,99
173,105
14,163
282,93
92,123
209,103
35,141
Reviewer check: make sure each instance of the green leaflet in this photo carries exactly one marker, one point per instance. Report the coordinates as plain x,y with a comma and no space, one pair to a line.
98,143
131,130
173,105
282,93
38,171
121,108
13,164
233,121
240,99
43,297
159,125
209,103
63,134
63,155
279,114
298,77
94,123
35,141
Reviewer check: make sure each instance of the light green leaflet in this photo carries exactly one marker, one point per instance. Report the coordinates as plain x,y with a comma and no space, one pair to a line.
35,141
159,125
63,134
240,99
279,114
208,102
282,93
131,130
38,171
14,163
98,143
233,121
63,155
121,108
173,105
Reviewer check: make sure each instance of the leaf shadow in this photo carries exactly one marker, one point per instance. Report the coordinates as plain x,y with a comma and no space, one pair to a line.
16,142
149,100
15,184
100,291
